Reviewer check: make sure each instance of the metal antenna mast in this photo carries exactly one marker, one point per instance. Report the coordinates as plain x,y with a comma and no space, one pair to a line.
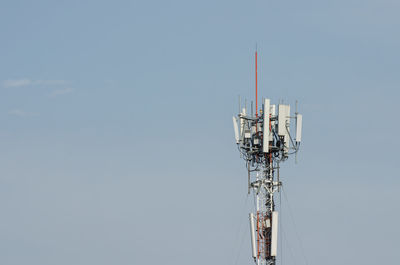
264,141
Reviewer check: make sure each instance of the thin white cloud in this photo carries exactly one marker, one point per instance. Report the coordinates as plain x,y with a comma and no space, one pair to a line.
17,82
21,113
62,91
28,82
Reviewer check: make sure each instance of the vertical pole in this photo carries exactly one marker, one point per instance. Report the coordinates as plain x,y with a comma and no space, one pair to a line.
240,106
256,87
248,177
258,226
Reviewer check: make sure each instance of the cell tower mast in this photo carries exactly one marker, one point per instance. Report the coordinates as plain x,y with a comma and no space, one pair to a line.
264,141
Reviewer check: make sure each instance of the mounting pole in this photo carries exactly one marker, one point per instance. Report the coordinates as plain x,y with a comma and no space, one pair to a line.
256,84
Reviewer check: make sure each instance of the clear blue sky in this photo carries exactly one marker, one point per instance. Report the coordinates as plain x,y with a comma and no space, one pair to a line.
116,135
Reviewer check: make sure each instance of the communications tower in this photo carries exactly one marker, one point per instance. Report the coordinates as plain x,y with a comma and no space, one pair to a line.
264,140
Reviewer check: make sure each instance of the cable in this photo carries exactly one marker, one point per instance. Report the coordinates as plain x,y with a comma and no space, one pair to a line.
240,247
280,225
288,246
295,228
238,231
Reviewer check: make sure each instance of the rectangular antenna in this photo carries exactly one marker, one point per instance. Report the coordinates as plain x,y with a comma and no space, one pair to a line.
299,121
236,129
242,122
266,129
253,236
274,234
273,113
283,120
287,124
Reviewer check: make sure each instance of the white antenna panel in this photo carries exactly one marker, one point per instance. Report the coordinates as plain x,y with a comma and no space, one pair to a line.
241,133
273,109
273,113
266,131
274,234
283,121
236,129
287,125
253,236
299,121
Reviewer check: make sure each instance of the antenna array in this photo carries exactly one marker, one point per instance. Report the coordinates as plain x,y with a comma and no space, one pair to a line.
264,141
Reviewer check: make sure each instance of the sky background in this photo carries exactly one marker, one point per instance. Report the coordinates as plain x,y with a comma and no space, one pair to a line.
116,138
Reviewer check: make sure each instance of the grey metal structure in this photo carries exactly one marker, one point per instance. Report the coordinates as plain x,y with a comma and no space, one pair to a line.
264,141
